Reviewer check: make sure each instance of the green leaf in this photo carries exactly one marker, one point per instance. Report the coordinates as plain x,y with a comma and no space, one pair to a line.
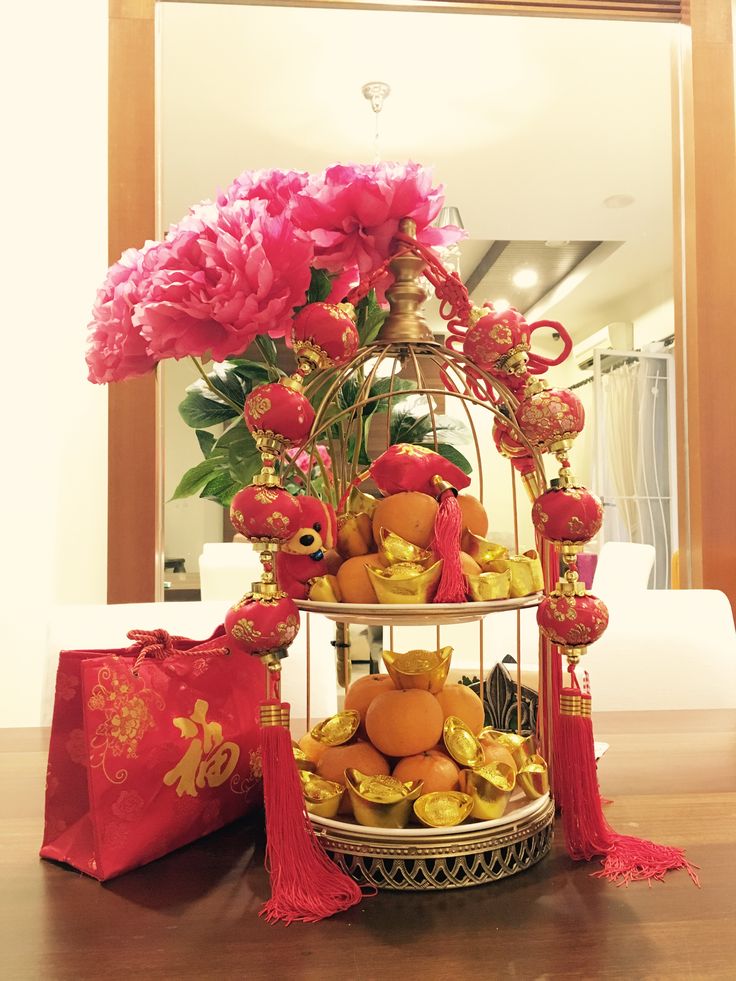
196,477
399,388
409,428
320,286
455,456
243,459
252,373
221,489
206,441
200,409
267,349
370,318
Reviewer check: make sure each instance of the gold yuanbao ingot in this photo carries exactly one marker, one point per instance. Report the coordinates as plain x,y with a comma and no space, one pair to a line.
395,549
405,582
359,502
381,801
461,743
443,808
325,589
526,573
483,551
490,586
321,797
301,759
533,778
427,670
490,788
520,747
338,729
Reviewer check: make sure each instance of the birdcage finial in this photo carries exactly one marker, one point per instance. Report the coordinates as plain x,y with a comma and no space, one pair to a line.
405,295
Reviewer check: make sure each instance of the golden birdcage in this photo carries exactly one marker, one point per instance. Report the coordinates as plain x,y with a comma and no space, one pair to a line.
405,351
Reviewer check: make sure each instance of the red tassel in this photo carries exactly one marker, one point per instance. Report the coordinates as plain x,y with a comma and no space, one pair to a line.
587,833
448,529
305,885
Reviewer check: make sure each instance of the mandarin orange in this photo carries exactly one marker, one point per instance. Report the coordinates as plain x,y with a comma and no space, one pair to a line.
362,692
436,769
474,514
462,701
404,723
354,581
409,514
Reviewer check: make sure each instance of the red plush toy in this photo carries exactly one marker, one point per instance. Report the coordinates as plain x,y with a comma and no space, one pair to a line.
302,557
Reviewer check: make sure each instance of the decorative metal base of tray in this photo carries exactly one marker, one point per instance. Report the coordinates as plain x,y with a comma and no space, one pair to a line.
467,857
415,614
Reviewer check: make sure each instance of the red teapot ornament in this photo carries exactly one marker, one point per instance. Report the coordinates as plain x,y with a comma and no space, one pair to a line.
278,415
567,515
324,335
498,342
262,622
550,418
572,618
265,514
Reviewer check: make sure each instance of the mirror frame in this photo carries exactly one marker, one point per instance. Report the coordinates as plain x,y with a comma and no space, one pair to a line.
704,188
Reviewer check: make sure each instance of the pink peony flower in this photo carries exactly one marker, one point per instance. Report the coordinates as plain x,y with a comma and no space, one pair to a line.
223,276
352,212
278,188
116,349
306,461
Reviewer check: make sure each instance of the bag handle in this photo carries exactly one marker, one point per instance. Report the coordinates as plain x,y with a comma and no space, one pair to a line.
160,644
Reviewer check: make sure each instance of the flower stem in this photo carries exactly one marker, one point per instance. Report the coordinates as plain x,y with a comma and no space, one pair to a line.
216,392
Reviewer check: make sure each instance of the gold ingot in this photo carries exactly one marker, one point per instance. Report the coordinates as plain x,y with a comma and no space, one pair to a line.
427,670
533,778
461,742
325,589
490,788
381,801
361,503
522,748
405,582
483,551
338,729
321,797
526,573
394,548
354,534
490,586
443,808
301,759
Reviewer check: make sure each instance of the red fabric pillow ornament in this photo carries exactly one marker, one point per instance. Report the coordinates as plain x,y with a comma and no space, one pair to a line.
278,415
265,514
259,624
572,621
404,467
324,334
567,515
499,343
551,418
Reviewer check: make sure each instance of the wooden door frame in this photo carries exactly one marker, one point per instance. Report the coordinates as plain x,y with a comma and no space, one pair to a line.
705,242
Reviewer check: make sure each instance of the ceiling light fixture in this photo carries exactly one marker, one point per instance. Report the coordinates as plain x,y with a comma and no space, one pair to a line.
524,278
376,93
501,304
557,243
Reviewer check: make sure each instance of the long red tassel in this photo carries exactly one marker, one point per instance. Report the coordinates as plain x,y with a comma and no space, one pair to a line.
305,885
575,779
448,529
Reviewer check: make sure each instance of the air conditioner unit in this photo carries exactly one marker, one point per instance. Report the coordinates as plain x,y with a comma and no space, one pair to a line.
618,336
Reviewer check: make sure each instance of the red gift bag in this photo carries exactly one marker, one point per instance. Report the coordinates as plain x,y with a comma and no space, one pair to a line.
151,748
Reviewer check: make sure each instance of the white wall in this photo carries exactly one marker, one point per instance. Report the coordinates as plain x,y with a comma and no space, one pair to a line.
54,214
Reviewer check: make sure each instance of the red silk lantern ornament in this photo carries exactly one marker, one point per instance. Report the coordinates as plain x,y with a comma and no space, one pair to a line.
567,515
498,342
305,885
571,618
265,514
324,335
550,418
278,415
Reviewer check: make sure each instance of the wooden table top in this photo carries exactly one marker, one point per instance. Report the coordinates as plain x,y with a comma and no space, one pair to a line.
193,914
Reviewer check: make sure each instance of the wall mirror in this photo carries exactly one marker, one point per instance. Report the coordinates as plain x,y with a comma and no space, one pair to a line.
553,140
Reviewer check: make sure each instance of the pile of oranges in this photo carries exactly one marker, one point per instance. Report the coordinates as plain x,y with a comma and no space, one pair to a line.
400,734
411,516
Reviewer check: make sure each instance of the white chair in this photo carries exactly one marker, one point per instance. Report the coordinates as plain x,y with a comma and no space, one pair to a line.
101,626
226,570
623,566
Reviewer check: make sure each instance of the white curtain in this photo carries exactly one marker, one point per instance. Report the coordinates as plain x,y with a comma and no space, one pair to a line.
633,458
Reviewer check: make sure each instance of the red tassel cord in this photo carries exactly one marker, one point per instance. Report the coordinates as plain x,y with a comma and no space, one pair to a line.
566,732
305,885
448,528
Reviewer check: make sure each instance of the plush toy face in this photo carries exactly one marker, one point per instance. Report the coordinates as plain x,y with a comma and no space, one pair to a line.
316,532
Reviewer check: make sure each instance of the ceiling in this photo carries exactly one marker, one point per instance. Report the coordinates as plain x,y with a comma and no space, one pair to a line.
531,124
